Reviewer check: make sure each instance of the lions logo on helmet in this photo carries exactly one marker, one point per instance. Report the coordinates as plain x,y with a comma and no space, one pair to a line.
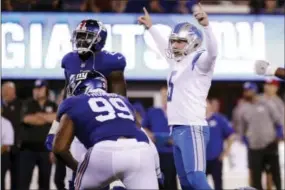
184,32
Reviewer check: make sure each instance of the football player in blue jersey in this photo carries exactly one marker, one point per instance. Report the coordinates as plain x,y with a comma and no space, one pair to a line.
105,124
88,40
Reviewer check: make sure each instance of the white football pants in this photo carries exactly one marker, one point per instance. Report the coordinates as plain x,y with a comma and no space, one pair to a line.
125,159
78,151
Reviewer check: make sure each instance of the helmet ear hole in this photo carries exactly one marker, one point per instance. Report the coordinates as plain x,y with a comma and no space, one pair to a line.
196,45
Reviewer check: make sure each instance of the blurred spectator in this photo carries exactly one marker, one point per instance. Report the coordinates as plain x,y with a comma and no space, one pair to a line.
38,114
7,140
171,6
266,6
220,131
6,5
103,5
119,6
135,6
72,5
271,6
161,6
215,105
22,5
11,110
96,6
185,7
156,122
46,6
271,87
155,6
89,6
256,6
256,124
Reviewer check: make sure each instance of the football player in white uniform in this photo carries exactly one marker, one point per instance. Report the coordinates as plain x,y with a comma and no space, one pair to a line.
188,86
267,69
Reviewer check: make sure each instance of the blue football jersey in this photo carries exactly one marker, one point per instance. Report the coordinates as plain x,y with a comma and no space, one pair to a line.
104,62
99,116
220,129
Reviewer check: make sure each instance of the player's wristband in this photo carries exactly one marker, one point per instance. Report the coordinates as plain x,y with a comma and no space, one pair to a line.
270,70
49,142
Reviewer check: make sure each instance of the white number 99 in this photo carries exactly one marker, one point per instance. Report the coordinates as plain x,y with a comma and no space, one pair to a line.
113,108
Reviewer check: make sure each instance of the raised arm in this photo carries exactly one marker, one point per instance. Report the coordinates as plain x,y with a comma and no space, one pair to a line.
207,59
160,42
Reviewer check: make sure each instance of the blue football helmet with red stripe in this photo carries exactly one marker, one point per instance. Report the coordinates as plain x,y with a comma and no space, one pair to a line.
89,35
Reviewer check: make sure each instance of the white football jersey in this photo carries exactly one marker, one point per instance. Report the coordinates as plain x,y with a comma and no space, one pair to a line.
189,81
187,93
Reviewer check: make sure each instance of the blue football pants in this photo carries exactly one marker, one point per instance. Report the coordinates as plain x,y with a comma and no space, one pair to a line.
189,150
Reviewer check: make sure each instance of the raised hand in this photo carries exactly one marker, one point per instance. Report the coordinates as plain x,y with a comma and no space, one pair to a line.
146,19
200,15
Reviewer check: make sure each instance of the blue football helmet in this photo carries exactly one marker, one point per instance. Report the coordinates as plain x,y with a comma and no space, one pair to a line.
184,32
89,36
86,81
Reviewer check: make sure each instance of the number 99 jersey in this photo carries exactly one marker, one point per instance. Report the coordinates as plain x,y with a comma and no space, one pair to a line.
99,116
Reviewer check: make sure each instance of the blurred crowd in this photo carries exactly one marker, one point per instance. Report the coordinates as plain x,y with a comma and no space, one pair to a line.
257,124
135,6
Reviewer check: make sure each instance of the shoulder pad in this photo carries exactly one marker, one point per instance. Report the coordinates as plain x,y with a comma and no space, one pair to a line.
65,59
65,107
116,60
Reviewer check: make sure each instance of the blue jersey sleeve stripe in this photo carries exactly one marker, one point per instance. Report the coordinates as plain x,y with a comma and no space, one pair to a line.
195,59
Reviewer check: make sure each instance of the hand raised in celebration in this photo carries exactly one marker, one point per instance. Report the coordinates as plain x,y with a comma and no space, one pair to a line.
146,19
200,15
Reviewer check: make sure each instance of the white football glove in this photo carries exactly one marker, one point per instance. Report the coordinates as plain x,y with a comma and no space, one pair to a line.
264,68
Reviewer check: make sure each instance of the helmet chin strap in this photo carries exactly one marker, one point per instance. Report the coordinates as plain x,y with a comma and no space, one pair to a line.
86,50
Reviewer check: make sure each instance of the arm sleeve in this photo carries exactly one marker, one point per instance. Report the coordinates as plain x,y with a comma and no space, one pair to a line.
240,123
63,61
160,42
65,85
8,134
120,62
27,109
207,59
65,108
281,108
274,114
227,128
